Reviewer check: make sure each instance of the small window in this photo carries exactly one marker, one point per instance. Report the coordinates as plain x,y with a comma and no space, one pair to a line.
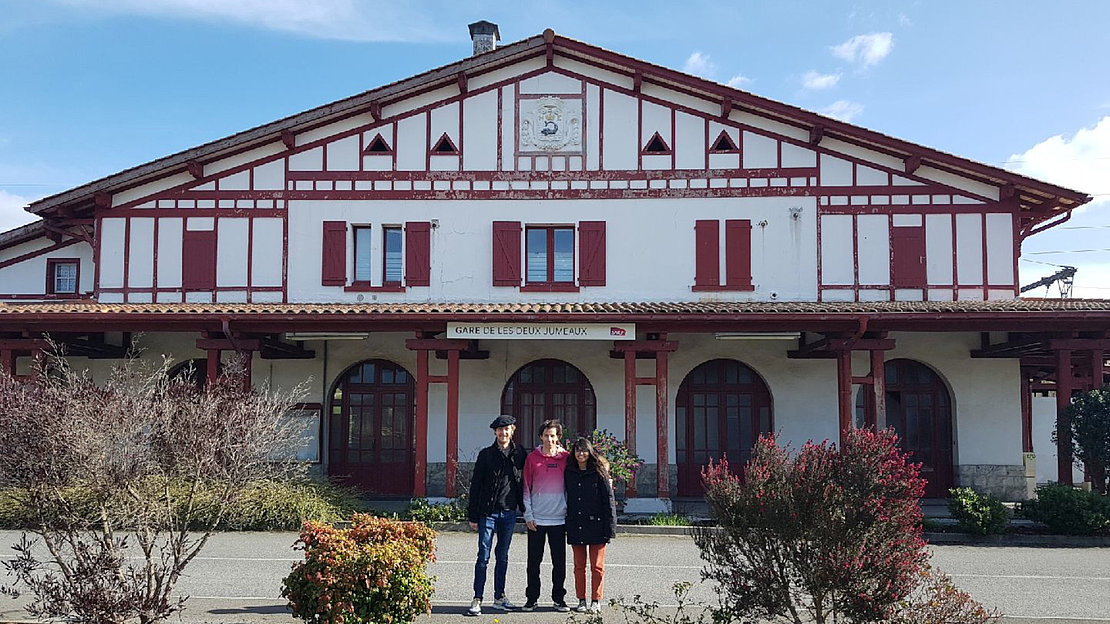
378,145
391,250
656,145
550,254
62,276
724,144
445,147
362,253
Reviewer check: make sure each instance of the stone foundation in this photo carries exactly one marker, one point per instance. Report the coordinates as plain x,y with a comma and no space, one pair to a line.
646,484
1005,481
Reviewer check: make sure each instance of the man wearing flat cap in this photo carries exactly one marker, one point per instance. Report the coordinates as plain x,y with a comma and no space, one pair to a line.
496,497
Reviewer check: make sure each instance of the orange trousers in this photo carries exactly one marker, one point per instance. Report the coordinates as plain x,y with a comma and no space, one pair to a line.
597,570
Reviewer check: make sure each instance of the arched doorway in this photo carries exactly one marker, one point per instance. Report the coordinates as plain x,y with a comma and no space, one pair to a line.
722,408
372,428
919,409
547,389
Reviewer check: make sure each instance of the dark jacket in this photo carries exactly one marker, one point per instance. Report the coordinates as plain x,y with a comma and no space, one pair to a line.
493,471
591,507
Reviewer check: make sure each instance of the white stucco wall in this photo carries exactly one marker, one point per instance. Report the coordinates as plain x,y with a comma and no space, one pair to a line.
28,277
649,247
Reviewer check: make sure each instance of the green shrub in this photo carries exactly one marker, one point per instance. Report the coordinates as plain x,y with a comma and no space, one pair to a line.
375,571
668,519
261,506
420,510
978,513
1064,509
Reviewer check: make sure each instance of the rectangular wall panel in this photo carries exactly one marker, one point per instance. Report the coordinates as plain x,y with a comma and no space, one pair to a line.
140,257
1000,249
969,249
938,249
593,127
874,249
620,139
689,143
112,241
480,129
266,252
412,143
169,253
836,250
231,252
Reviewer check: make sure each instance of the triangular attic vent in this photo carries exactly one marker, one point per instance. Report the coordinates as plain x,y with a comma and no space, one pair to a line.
445,147
656,145
378,146
724,144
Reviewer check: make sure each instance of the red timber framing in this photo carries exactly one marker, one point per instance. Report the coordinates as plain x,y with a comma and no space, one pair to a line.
656,347
451,349
1061,363
840,349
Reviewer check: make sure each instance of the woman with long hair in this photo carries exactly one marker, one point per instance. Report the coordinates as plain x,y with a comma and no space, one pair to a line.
591,519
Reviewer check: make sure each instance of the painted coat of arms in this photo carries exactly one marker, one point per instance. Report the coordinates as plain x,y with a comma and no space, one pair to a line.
551,124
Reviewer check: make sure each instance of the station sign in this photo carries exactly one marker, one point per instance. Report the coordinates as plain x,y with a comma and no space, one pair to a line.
542,331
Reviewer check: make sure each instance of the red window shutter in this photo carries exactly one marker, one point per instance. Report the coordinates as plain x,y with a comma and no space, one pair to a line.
506,253
907,257
198,259
738,254
418,253
707,253
334,272
591,250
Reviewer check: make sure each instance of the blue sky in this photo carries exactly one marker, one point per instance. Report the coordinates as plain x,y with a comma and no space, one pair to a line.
92,87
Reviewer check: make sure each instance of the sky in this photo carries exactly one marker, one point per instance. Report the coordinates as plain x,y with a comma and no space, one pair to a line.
92,87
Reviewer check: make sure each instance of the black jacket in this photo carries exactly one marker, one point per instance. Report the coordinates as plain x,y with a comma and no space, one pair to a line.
491,468
591,507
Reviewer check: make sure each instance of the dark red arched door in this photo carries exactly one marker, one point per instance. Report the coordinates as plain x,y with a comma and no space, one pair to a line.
722,408
372,422
547,389
919,409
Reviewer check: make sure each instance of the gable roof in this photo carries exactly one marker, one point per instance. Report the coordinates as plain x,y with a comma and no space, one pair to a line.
1039,200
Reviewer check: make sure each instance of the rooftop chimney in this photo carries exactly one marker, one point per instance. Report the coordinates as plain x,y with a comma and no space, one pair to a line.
485,36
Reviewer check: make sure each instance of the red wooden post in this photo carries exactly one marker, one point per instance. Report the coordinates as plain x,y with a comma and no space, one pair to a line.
420,469
1064,384
212,368
878,388
452,420
1098,359
844,391
630,411
661,459
1026,413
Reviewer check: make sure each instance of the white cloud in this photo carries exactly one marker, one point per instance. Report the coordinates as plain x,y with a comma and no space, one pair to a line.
383,20
12,214
867,50
843,110
699,64
1080,162
738,81
814,80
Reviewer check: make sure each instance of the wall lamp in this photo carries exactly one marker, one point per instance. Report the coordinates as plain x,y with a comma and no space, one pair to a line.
300,336
757,335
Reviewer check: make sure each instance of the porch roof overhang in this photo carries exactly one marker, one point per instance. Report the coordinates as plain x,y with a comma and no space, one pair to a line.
1029,315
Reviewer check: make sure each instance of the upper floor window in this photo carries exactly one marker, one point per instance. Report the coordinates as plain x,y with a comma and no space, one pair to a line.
62,276
550,253
737,256
404,258
550,263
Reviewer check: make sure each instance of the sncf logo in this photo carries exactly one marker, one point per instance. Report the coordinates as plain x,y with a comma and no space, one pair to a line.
617,331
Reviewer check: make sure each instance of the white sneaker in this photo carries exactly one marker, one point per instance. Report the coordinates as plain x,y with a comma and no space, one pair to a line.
582,606
475,608
503,604
595,607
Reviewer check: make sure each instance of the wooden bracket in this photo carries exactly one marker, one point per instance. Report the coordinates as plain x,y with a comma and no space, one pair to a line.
288,139
726,108
102,200
637,81
376,107
816,133
195,169
461,79
913,161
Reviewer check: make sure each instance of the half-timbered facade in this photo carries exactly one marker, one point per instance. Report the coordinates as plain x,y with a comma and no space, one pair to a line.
550,229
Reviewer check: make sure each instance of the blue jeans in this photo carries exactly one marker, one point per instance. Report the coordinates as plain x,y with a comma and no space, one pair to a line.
502,523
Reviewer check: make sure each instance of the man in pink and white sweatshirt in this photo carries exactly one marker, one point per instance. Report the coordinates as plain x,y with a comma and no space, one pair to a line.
545,512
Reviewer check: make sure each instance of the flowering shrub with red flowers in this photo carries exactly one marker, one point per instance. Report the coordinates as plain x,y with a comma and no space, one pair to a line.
822,535
375,571
623,463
